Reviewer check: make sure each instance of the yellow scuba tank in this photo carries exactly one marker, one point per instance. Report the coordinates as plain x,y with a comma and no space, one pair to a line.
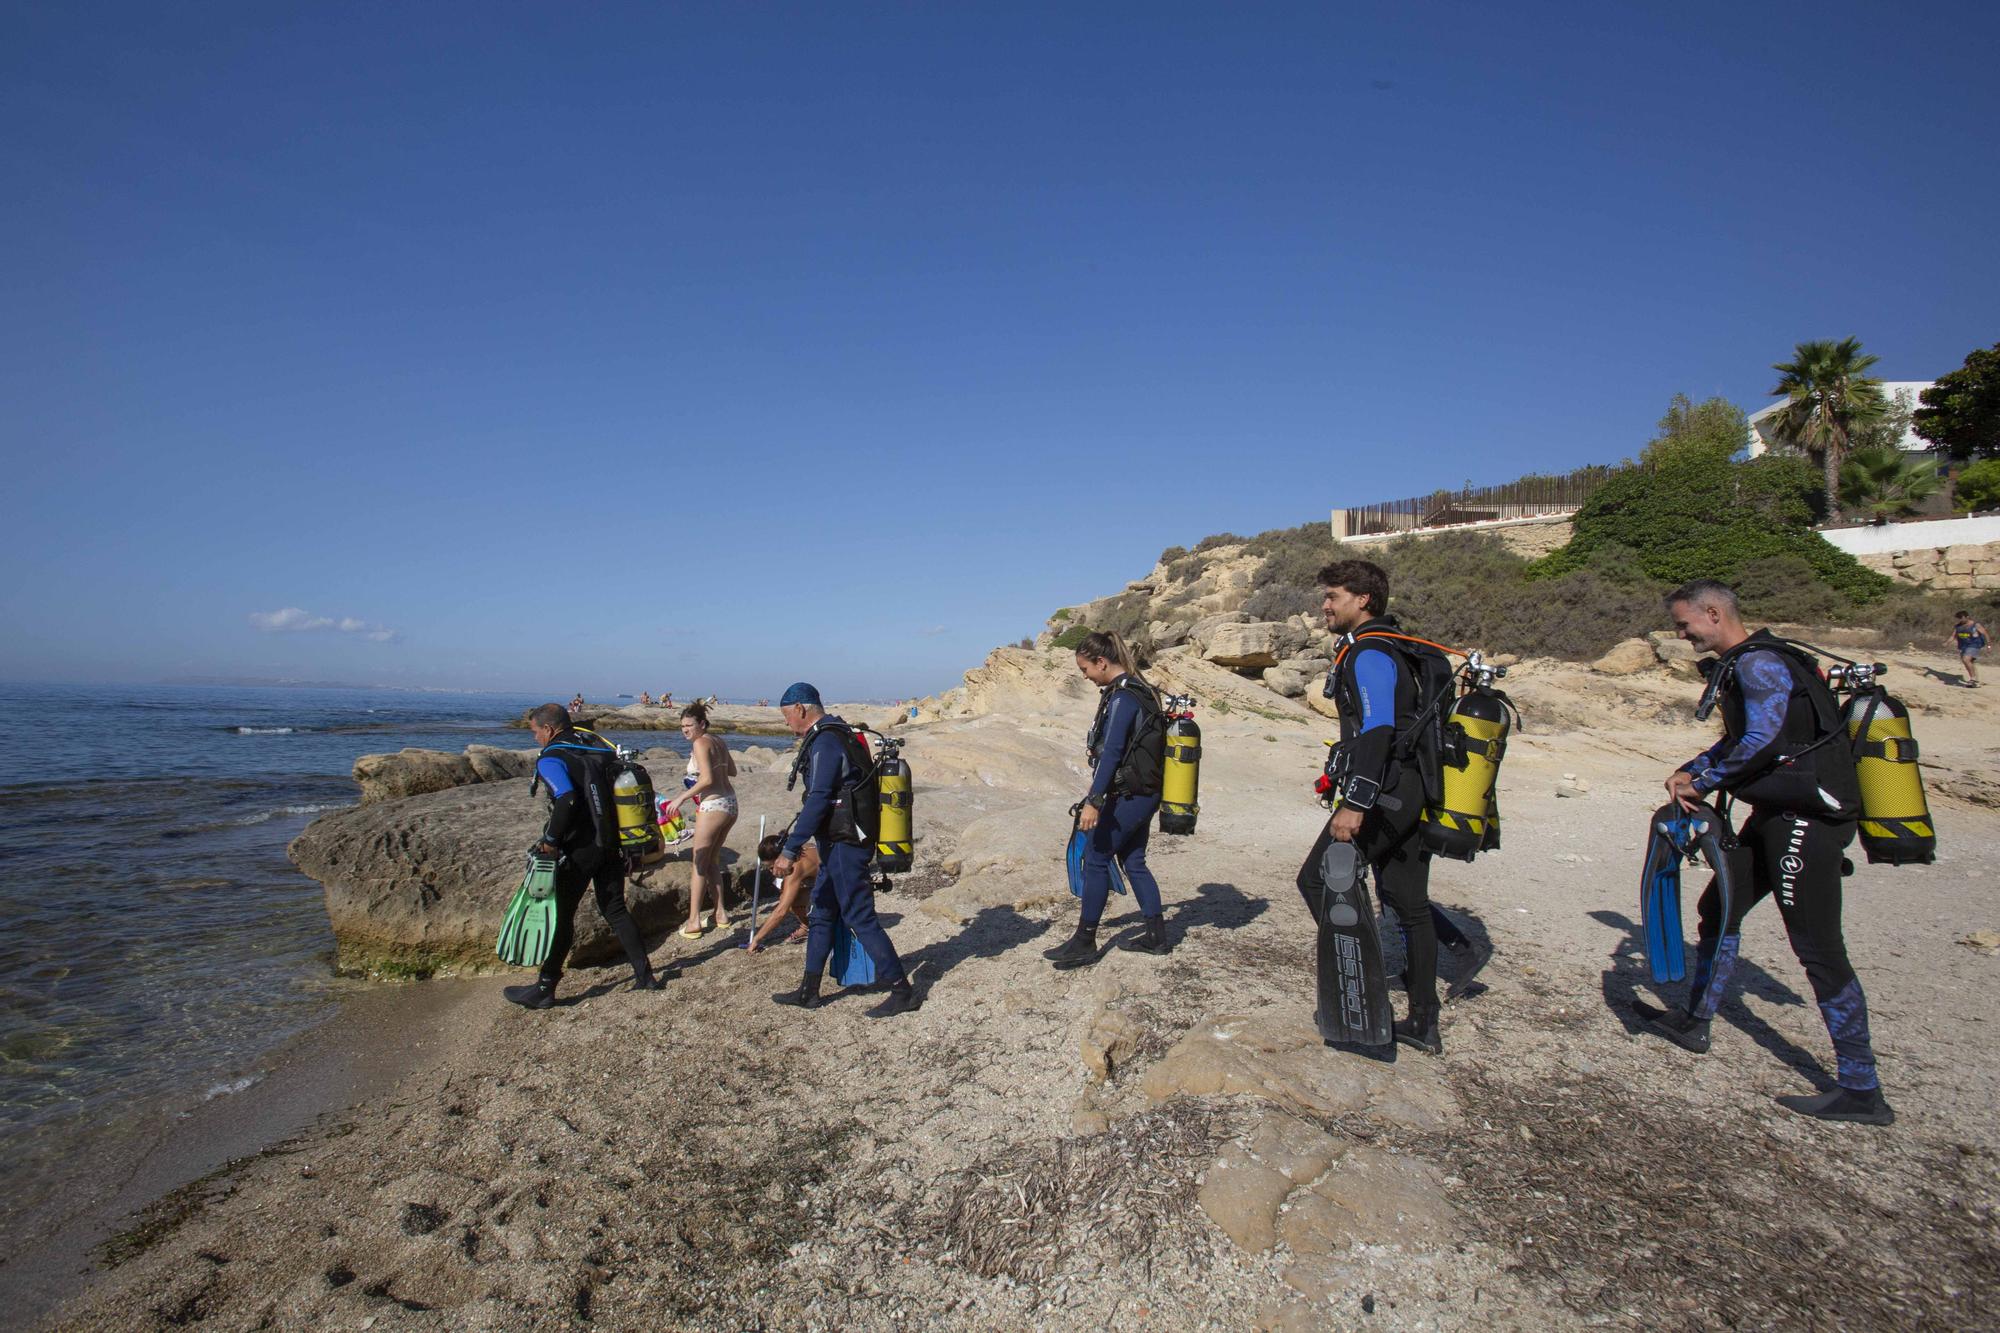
1896,826
1464,820
1180,782
895,843
632,795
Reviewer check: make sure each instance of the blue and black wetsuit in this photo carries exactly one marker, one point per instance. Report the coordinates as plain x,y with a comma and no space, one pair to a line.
583,827
1376,698
833,766
1784,752
1125,818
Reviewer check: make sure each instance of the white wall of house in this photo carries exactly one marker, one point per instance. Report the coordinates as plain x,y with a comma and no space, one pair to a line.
1916,536
1763,420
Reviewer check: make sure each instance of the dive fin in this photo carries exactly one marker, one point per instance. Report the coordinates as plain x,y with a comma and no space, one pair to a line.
1660,894
849,963
1078,841
530,924
1353,989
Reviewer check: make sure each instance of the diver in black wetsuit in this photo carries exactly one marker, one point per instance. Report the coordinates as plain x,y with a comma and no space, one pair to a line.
582,831
1382,792
1784,753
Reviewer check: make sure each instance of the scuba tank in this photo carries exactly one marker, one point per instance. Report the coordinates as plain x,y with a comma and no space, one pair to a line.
895,840
632,797
1896,826
1181,780
1464,820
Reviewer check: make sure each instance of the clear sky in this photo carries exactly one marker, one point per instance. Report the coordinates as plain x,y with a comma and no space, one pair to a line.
707,347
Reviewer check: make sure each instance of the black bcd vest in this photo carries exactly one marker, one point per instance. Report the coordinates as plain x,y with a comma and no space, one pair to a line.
1142,769
1808,769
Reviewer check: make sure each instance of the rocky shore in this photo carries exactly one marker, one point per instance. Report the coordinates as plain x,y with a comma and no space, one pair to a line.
1156,1141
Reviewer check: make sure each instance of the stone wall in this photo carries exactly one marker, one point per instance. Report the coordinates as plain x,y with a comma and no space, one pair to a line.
1529,537
1940,568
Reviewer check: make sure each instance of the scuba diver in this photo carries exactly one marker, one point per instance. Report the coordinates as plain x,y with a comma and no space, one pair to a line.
1380,786
1127,748
582,833
1784,752
841,815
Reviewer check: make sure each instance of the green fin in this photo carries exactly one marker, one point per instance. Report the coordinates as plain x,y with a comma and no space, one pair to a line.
530,924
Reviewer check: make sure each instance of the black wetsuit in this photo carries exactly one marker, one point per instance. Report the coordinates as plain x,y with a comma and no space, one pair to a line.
1784,753
583,827
1377,703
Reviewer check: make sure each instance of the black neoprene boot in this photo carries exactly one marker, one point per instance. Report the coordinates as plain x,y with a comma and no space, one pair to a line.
1860,1108
645,978
1151,939
1678,1026
539,995
1422,1034
805,997
902,999
1079,950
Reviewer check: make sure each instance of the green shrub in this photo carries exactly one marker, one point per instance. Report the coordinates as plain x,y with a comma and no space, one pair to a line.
1978,487
1185,568
1172,553
1062,614
1073,637
1294,555
1219,539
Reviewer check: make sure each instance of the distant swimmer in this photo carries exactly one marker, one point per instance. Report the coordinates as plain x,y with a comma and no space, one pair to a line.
1968,636
1784,753
841,815
582,832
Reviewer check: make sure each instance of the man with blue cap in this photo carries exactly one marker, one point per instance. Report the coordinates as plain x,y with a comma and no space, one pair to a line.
842,814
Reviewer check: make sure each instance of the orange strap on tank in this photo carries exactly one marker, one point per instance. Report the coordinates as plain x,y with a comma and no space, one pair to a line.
1385,634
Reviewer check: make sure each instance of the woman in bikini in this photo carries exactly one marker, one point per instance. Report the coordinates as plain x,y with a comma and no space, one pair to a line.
708,772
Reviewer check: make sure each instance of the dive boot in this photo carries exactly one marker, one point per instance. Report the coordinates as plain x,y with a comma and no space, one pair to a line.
1679,1026
1080,950
645,978
902,1000
540,994
1424,1038
1151,939
805,997
1849,1104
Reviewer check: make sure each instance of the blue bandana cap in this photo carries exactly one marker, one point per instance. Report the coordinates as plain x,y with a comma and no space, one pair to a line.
801,693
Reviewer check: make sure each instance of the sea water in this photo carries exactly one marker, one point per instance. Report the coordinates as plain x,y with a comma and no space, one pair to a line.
154,939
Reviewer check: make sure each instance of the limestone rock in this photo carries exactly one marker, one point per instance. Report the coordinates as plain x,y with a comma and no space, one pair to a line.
1315,697
1308,664
410,772
1626,659
1370,1197
490,763
1242,646
1167,633
1107,1043
1676,654
1199,630
1245,1189
1279,1057
1285,681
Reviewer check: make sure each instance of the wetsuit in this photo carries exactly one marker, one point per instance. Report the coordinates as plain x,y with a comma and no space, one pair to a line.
835,767
1127,797
1376,700
583,827
1804,801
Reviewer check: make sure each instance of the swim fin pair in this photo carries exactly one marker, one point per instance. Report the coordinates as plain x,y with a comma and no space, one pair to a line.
1079,841
1677,836
1353,987
530,924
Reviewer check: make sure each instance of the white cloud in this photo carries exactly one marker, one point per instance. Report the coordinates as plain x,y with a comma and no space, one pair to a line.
297,620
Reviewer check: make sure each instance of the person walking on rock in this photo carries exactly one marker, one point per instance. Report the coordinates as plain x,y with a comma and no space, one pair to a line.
582,833
841,815
1784,753
1968,636
1381,793
1127,747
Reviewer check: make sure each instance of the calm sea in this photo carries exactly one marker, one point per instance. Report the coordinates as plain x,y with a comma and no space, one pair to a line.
154,940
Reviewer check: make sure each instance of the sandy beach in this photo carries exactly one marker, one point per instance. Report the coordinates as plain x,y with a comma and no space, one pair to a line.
1163,1140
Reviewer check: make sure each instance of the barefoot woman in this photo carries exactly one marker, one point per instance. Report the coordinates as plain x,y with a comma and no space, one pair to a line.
709,770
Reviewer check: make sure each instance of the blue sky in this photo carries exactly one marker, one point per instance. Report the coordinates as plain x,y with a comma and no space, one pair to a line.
707,347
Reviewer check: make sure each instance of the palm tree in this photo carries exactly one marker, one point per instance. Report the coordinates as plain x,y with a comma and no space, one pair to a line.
1882,481
1829,396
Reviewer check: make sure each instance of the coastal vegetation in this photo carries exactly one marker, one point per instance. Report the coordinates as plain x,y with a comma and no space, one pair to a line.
1961,411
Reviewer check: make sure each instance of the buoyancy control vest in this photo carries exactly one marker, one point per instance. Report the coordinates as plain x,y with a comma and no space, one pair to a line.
1142,768
1806,769
591,761
856,816
1423,694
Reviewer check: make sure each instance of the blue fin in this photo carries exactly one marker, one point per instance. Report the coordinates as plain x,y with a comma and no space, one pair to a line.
849,962
1660,895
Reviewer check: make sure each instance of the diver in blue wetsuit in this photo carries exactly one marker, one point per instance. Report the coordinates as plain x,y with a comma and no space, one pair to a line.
582,832
1381,791
1127,748
1784,753
841,815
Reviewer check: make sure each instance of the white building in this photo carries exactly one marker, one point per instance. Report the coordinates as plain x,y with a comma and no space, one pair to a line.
1763,422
